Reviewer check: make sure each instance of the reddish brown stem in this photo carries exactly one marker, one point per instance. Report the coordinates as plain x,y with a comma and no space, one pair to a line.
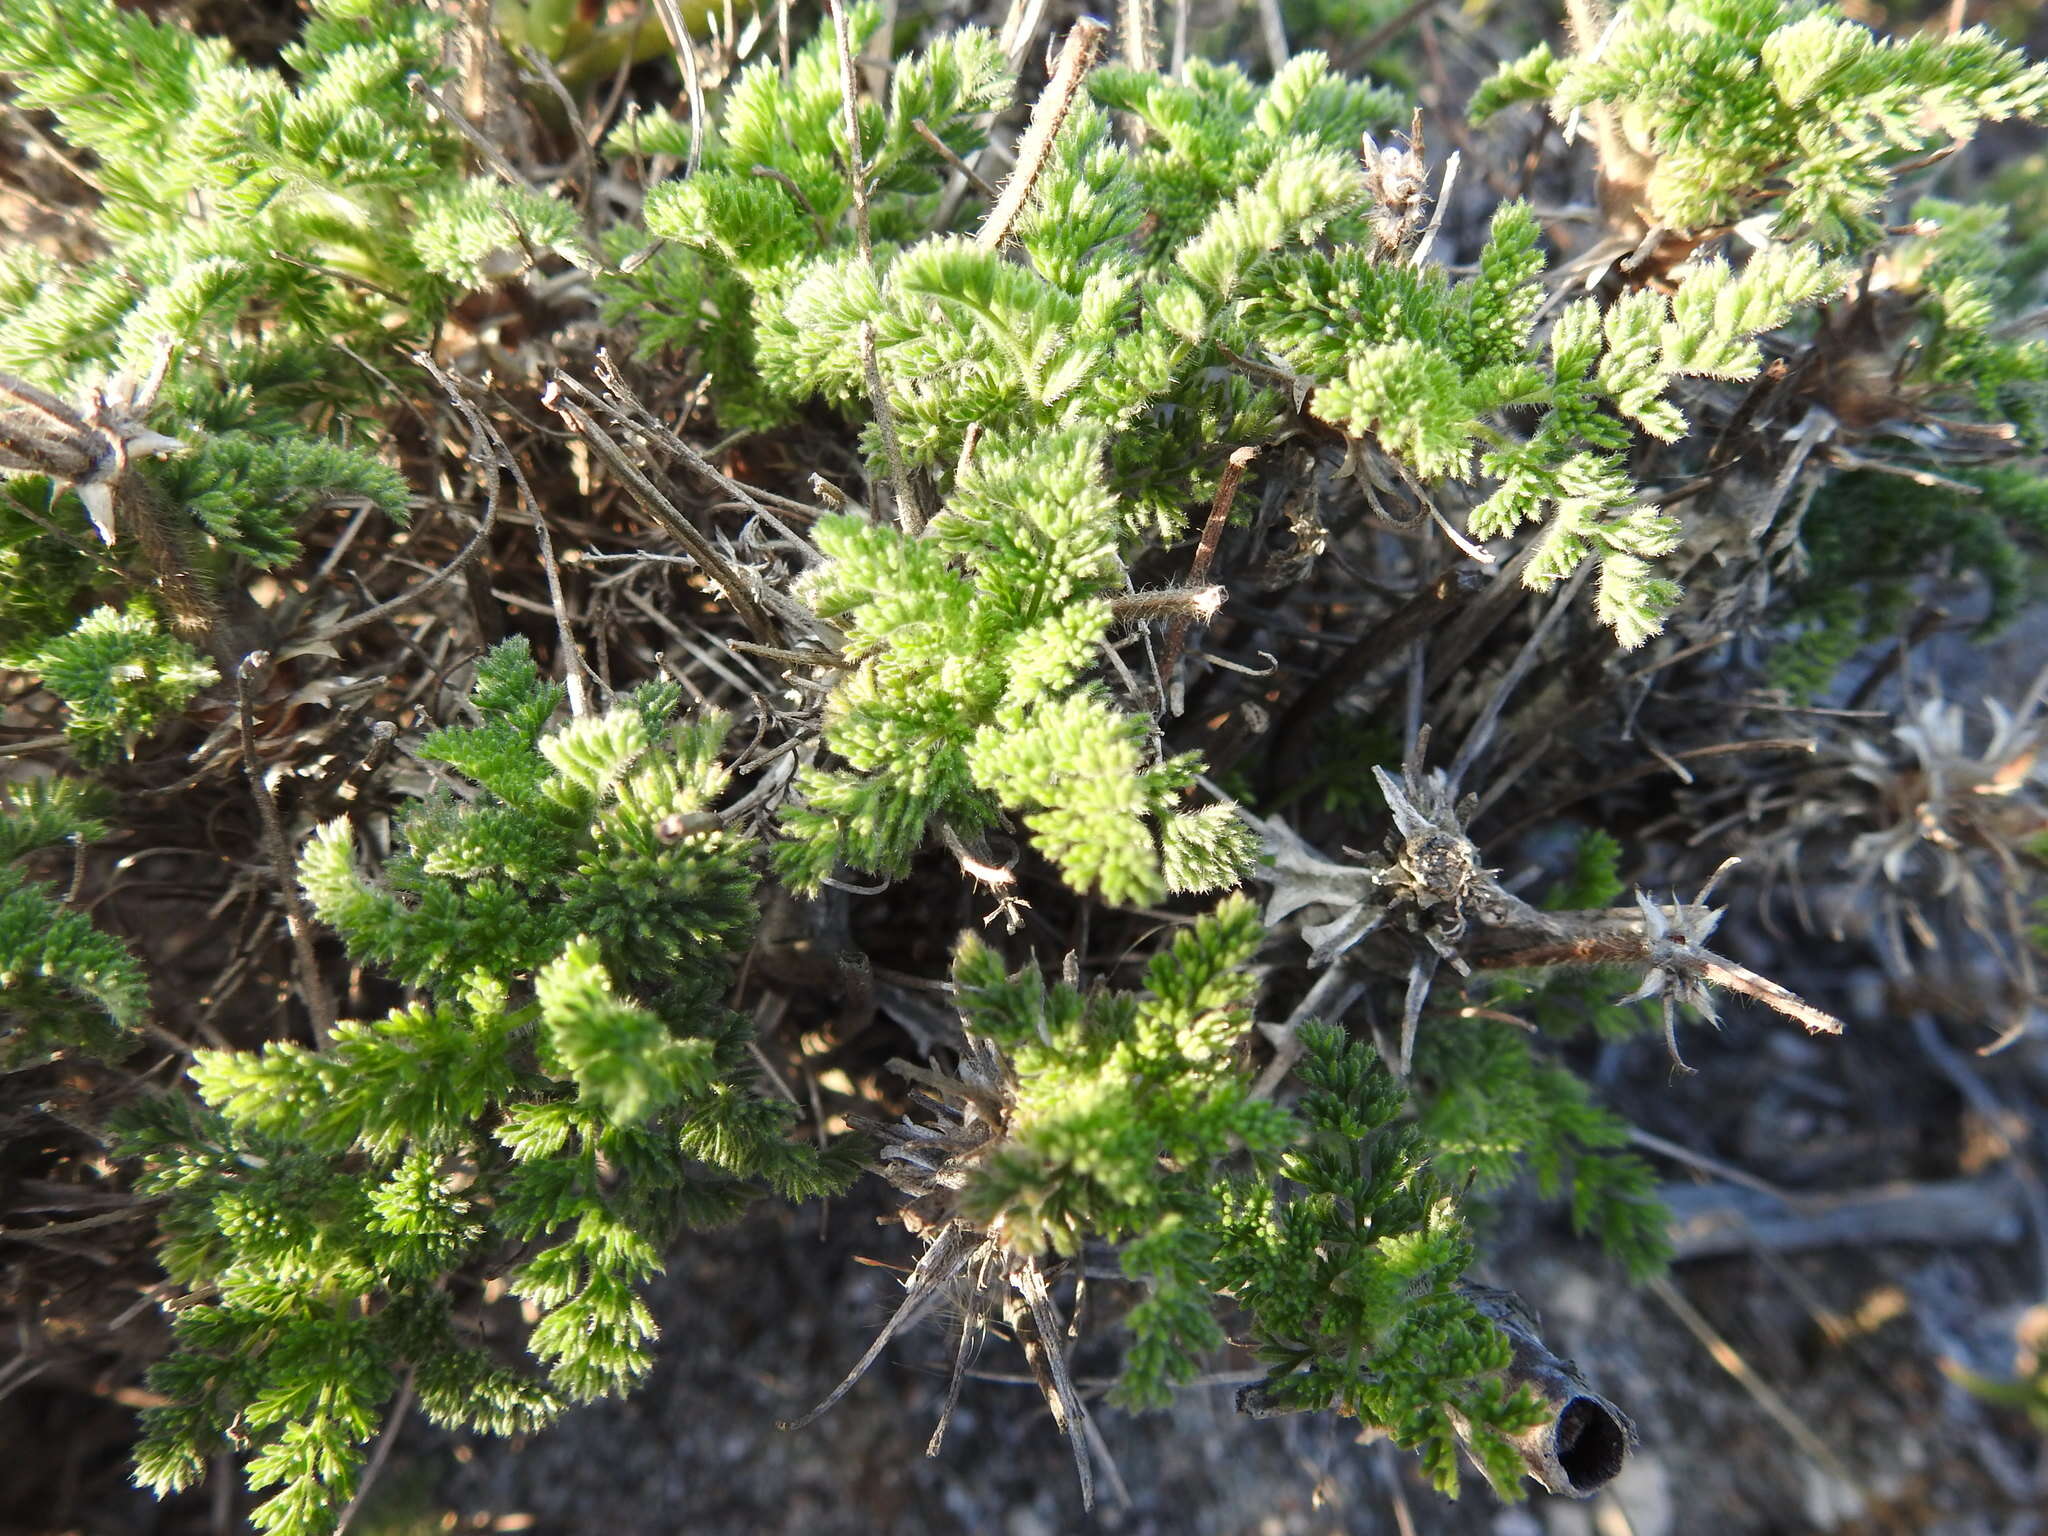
1205,553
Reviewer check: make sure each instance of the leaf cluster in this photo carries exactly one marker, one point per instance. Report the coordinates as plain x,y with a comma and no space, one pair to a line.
1492,1108
967,696
64,984
1426,365
218,177
1349,1268
249,219
1202,264
1132,254
566,1095
773,200
1723,108
120,675
1127,1110
1964,350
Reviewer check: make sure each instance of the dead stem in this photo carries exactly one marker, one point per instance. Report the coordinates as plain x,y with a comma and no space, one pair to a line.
830,659
1617,946
1378,38
1728,975
394,1421
975,865
298,921
478,140
960,167
973,1328
1140,36
909,516
789,184
1437,601
1273,32
665,515
1037,1326
849,110
1205,553
1077,57
565,635
1477,739
1183,605
93,451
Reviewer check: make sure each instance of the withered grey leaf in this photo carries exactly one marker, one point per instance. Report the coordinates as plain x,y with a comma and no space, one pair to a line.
1303,878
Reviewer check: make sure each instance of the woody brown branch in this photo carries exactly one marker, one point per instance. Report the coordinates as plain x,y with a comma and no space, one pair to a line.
1607,938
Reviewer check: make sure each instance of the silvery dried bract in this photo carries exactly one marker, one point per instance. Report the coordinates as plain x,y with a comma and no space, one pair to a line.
87,448
1677,954
1430,874
1429,881
1302,878
929,1161
1950,798
1916,830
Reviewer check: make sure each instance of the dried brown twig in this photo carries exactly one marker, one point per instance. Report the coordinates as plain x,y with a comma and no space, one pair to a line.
664,513
849,108
298,919
1205,554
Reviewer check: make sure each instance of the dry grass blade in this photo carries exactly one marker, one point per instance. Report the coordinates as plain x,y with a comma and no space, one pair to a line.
686,55
927,1282
973,1329
1765,1395
1041,1341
